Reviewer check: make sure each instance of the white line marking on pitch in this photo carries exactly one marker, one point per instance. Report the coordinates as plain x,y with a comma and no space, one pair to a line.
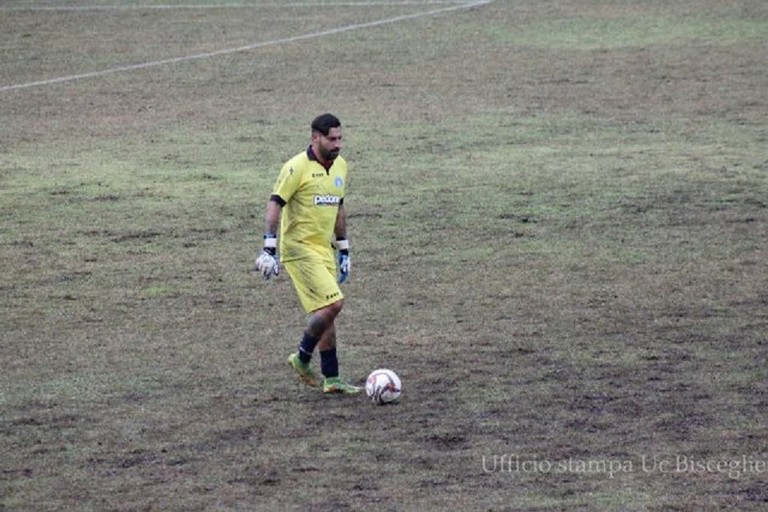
139,7
313,35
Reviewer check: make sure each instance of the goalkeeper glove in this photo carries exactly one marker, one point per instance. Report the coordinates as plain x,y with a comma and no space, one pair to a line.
345,264
267,264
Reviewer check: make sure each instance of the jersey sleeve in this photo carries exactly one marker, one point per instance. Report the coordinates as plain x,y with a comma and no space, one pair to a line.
288,182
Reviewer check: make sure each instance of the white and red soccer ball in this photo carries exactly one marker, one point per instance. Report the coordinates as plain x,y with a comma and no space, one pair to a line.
383,386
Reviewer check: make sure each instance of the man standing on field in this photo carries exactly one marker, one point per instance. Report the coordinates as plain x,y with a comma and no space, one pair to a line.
307,206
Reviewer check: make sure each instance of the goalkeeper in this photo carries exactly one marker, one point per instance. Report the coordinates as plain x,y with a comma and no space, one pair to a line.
306,210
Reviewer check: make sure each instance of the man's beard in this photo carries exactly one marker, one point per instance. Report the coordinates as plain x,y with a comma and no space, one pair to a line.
329,155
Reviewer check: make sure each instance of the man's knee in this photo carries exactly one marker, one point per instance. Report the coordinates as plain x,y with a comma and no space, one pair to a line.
331,311
322,318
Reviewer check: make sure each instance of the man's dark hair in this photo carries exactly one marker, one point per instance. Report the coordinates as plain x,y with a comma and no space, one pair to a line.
323,123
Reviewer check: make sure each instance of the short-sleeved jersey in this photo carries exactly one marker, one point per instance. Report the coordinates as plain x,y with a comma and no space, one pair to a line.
312,197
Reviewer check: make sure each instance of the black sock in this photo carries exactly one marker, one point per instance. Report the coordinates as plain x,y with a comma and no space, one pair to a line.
329,364
307,346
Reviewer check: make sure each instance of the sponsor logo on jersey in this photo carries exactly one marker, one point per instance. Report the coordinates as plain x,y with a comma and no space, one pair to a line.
327,200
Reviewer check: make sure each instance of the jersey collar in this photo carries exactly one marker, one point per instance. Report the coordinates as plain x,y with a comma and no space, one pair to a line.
312,157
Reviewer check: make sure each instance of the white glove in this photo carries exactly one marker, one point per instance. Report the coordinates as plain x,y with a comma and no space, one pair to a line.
267,265
345,264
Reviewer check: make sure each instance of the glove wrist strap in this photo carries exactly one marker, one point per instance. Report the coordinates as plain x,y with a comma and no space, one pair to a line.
270,243
342,244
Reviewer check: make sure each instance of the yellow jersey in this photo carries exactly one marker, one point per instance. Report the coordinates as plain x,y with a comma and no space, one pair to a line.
310,195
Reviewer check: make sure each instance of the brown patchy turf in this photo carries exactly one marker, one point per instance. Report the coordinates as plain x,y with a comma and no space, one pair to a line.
558,214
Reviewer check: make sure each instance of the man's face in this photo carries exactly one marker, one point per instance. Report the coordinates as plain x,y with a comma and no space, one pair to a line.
328,146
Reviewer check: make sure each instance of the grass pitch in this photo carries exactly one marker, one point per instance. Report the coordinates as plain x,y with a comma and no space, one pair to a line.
558,218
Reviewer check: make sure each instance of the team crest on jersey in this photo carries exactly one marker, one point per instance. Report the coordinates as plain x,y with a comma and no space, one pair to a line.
327,200
338,182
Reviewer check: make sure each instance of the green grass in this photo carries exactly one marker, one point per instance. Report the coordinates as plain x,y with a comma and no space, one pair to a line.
558,219
622,26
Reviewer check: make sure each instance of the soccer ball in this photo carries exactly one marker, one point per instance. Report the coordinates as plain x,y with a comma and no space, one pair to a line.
383,386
